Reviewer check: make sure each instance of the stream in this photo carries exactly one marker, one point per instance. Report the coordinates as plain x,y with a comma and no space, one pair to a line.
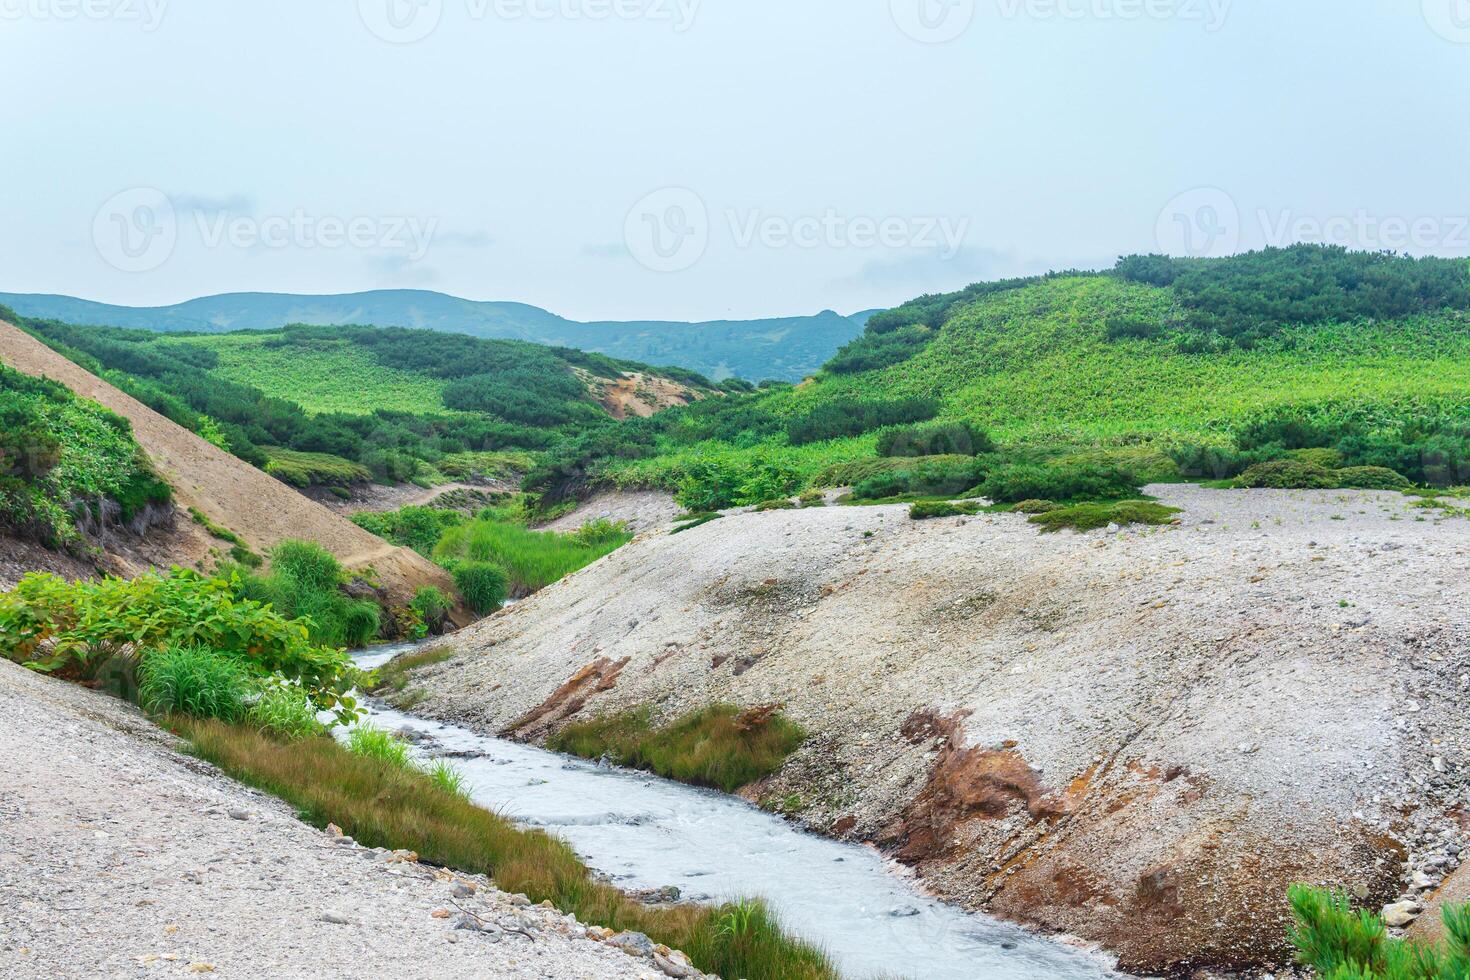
645,832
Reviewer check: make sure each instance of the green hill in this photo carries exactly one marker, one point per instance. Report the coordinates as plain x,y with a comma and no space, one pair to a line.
338,405
1152,363
781,348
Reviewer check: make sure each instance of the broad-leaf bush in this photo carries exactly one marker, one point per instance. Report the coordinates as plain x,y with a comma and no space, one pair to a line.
59,627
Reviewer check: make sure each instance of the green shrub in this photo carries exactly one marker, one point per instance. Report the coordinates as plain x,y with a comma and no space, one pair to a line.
781,503
1023,481
1292,474
418,528
1091,516
483,585
692,521
305,469
1339,944
939,439
305,582
531,559
928,510
61,628
855,415
720,746
1328,459
432,606
285,712
812,498
385,747
193,681
1035,507
938,476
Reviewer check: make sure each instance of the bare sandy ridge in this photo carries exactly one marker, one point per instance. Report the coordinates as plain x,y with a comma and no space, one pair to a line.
122,858
1140,737
233,494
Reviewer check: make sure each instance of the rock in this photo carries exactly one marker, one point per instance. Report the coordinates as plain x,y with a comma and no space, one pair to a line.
463,890
903,912
666,895
238,814
1400,914
334,831
520,901
335,919
672,968
1422,882
633,943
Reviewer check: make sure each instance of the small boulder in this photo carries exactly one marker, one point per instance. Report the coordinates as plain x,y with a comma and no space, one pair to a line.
1400,914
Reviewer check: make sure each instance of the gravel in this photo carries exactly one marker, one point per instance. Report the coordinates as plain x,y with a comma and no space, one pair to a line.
1141,737
122,858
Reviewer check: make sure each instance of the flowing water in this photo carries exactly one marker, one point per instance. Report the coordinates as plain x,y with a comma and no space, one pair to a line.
646,832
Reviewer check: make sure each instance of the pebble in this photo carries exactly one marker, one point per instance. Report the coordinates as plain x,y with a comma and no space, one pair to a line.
237,814
335,919
1400,914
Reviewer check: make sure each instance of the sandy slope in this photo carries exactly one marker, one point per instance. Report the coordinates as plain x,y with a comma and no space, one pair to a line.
1138,737
235,495
123,858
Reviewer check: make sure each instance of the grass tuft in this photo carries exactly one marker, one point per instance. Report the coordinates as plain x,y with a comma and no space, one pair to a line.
720,746
1090,517
195,681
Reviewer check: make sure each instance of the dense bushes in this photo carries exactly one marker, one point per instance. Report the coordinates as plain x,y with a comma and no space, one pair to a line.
419,528
1295,474
855,416
940,439
305,583
931,477
1248,298
1091,516
65,462
71,629
1016,482
928,510
313,469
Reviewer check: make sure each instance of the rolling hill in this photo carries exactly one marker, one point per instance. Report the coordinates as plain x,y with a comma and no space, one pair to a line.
786,348
1287,348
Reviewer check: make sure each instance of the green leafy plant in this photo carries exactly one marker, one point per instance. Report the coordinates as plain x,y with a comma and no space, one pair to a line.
483,585
193,681
62,627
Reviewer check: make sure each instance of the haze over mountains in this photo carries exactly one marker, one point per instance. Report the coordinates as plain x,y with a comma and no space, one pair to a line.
784,348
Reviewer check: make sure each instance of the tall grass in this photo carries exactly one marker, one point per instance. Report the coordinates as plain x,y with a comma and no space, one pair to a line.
532,559
720,746
195,681
384,805
305,583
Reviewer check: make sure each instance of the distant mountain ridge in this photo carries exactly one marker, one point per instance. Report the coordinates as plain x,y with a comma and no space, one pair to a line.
783,348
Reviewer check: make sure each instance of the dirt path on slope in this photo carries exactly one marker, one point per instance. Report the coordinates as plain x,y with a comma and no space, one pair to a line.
232,493
124,858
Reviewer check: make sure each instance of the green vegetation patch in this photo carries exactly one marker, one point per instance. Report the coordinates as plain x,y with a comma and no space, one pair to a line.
1090,517
1339,944
66,462
928,510
305,584
722,746
531,559
393,677
382,803
313,469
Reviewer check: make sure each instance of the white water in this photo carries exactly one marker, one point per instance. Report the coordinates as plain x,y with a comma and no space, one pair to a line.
646,832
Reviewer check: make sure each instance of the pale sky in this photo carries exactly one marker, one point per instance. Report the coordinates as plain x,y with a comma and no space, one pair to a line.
700,159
